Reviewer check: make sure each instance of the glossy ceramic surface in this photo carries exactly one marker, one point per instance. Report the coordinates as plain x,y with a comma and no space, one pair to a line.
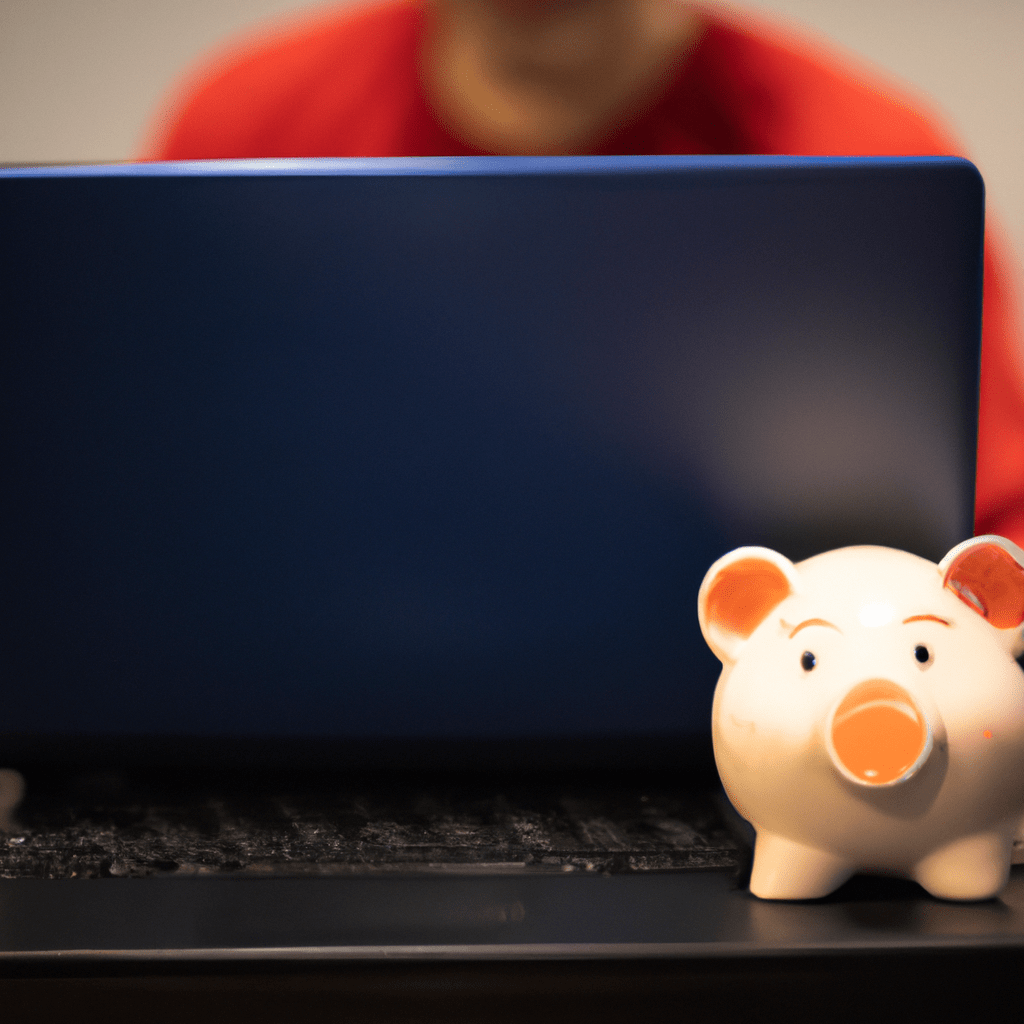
870,713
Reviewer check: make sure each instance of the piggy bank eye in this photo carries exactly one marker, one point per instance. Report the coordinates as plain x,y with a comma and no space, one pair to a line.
923,655
808,661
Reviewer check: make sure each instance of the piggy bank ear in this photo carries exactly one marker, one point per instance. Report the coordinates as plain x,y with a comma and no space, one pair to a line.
987,574
737,595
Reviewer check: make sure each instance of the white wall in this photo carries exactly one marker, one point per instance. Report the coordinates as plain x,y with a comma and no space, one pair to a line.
80,78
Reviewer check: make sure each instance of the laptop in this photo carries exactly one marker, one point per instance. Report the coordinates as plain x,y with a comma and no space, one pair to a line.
353,521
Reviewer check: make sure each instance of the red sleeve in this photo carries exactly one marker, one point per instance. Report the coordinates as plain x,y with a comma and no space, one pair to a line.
340,84
788,93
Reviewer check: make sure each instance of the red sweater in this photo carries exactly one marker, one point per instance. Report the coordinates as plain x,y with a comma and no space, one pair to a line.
345,83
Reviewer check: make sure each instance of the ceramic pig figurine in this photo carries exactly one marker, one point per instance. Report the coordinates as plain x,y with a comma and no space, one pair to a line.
870,713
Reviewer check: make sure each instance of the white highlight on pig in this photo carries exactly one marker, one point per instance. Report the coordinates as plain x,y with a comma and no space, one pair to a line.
876,614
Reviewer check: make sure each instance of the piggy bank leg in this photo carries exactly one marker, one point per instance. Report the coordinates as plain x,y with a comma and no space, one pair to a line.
785,870
1017,855
972,868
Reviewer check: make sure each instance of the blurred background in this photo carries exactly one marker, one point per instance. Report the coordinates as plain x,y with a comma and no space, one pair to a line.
80,79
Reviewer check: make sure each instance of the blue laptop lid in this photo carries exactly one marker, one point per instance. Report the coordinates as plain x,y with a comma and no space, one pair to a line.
442,448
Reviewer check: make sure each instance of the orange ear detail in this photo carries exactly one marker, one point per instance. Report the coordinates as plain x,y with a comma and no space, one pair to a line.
988,579
742,596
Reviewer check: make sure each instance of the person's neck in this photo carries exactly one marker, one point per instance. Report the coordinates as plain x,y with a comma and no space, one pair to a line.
529,76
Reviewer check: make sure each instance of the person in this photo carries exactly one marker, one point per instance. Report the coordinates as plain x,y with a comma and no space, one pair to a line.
466,77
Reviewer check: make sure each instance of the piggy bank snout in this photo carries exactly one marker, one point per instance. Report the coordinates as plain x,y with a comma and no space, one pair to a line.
877,735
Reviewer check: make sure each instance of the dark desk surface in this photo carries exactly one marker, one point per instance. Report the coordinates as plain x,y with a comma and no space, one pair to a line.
534,946
522,914
542,903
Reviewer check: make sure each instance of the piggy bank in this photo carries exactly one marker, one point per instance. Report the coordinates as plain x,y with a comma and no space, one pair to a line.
870,713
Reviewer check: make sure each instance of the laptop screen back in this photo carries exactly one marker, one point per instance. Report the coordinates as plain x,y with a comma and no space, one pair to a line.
444,448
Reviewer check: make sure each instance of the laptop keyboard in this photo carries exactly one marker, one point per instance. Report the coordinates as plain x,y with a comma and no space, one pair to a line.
109,824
